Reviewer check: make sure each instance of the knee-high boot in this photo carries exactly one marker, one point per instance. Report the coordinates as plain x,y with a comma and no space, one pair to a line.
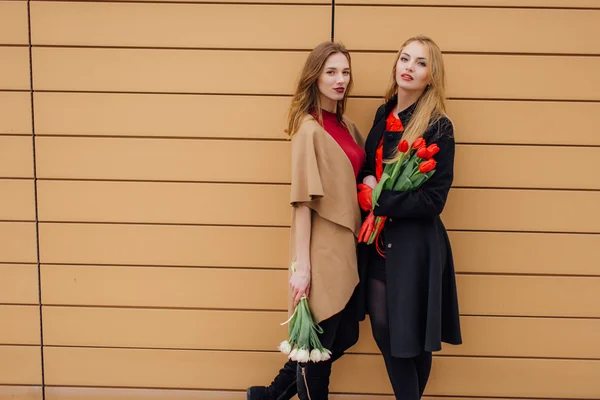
313,380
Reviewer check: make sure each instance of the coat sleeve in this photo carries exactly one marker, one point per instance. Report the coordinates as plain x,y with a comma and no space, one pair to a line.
429,200
306,180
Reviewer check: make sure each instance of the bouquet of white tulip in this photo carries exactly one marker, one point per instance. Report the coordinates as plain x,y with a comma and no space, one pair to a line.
303,344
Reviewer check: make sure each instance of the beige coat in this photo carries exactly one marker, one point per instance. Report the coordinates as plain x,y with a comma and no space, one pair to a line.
323,179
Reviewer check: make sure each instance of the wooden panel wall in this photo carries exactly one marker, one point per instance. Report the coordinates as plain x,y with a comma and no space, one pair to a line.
153,181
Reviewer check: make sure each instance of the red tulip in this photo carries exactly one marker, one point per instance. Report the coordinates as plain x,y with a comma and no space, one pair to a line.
365,199
417,144
366,228
433,150
403,146
423,153
427,166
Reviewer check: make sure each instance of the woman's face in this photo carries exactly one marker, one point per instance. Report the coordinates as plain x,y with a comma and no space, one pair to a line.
413,71
333,81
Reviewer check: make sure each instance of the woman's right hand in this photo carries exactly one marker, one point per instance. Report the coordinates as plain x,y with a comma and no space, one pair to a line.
300,281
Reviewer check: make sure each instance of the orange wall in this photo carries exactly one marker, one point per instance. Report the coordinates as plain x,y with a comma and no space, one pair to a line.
156,217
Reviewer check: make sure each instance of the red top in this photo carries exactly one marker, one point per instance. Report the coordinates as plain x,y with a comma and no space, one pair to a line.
392,124
342,136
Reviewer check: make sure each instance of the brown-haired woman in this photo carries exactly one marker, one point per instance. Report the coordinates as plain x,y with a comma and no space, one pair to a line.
411,292
327,156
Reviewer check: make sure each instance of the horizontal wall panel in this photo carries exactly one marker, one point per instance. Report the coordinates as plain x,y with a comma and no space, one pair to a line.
528,337
18,242
96,393
15,113
482,336
164,159
16,157
200,203
529,253
253,161
145,70
179,25
164,287
467,209
529,167
125,114
20,393
14,68
522,210
554,31
203,288
482,3
187,329
529,295
20,365
208,71
493,76
17,202
450,375
509,122
164,245
24,325
13,23
19,283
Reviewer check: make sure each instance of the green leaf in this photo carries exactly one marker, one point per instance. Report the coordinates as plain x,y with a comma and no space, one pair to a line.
377,191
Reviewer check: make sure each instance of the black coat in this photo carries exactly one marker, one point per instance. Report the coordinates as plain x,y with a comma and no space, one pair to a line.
421,285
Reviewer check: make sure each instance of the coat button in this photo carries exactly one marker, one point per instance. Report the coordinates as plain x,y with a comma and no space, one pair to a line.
391,220
389,245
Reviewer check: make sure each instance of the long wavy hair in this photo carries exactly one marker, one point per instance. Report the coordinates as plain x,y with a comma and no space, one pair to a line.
431,105
306,97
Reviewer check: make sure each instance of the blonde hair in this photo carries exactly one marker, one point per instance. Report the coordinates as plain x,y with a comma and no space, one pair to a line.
431,105
306,97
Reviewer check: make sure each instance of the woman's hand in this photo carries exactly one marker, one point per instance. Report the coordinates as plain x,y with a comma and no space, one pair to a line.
370,180
300,281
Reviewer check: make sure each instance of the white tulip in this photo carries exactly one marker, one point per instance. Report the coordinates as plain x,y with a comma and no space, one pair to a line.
285,347
292,355
302,356
315,355
325,355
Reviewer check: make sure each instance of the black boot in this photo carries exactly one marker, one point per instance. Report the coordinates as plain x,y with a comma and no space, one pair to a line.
313,380
283,386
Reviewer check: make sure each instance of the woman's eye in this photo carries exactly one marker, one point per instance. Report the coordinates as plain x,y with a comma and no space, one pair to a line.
404,59
422,64
330,72
346,72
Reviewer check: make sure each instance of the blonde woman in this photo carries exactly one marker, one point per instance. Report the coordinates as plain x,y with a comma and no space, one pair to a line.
327,156
411,290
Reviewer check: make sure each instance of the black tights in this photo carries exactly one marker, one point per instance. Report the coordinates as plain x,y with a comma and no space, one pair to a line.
408,375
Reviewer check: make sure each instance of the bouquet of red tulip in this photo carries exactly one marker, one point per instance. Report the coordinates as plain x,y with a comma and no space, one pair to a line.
414,166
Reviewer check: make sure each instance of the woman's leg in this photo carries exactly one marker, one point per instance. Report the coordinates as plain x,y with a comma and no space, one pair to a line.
408,376
423,364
